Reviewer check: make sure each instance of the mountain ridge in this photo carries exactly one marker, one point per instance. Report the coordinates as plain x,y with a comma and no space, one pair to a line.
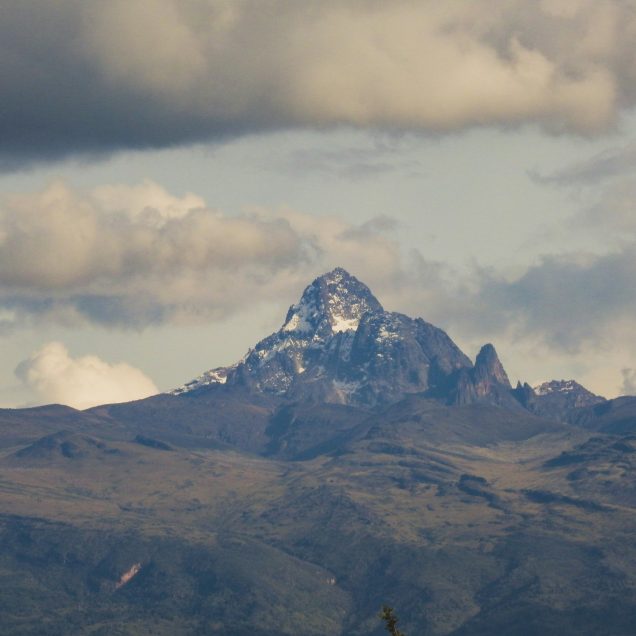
338,344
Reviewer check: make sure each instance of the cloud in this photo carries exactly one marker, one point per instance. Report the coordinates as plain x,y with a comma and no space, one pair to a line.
98,77
357,162
60,239
133,256
604,188
564,302
55,377
613,214
578,300
607,164
378,225
568,300
629,382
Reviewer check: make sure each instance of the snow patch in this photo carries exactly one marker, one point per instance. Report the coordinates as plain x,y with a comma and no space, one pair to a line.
557,386
213,376
340,324
324,321
384,334
299,320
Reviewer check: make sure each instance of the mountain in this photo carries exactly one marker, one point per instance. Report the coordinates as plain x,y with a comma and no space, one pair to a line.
617,416
487,381
339,345
561,396
353,458
557,399
63,445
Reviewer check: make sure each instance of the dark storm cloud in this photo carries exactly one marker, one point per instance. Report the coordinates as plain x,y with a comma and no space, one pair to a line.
56,100
96,77
566,300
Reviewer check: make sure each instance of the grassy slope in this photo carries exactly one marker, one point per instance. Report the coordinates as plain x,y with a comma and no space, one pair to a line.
457,517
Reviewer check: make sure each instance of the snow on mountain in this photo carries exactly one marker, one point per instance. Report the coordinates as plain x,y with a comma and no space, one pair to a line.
566,393
338,344
213,376
558,386
333,303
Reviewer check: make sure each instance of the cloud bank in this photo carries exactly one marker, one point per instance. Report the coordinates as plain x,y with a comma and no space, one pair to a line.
55,377
101,76
131,256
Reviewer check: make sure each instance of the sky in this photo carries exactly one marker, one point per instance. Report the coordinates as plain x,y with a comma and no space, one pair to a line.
173,173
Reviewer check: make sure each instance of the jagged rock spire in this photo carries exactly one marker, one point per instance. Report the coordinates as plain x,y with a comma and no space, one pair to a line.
486,381
488,367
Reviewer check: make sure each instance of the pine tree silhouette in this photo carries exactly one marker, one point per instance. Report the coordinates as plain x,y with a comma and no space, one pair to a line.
391,621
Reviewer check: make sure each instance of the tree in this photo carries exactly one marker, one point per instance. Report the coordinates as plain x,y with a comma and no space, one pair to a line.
391,621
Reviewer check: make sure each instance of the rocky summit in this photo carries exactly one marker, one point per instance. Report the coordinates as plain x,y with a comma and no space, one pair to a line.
339,345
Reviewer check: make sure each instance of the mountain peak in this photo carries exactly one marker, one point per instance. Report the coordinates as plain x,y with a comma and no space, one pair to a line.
488,365
332,303
336,274
556,397
486,381
338,344
568,388
558,386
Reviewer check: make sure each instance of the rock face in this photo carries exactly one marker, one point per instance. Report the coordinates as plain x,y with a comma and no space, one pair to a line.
556,398
487,382
569,391
338,344
489,371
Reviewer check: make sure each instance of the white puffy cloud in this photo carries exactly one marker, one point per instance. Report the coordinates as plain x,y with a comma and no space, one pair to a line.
61,239
137,255
98,76
56,377
146,199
